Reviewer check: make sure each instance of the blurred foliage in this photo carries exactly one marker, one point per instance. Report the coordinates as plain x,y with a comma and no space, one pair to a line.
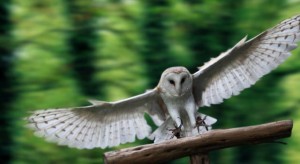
56,53
7,76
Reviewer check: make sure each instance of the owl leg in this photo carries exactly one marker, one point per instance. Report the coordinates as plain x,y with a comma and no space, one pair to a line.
201,122
176,131
191,110
174,113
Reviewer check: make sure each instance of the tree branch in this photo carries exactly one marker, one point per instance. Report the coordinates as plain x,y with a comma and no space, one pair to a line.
202,144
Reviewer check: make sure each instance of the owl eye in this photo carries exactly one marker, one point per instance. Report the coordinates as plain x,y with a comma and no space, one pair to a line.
182,80
172,82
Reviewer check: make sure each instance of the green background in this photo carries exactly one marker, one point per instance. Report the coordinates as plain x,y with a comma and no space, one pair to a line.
59,53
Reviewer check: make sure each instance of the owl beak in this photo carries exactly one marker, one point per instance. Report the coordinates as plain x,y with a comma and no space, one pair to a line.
178,90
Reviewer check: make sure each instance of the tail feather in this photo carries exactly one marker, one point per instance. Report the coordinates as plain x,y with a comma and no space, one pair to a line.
163,133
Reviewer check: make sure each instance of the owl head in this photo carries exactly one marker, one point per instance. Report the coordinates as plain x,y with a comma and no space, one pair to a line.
175,81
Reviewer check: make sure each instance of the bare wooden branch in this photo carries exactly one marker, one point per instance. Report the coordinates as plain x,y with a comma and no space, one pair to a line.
202,144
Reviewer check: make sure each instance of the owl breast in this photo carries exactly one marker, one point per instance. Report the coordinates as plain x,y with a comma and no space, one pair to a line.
177,103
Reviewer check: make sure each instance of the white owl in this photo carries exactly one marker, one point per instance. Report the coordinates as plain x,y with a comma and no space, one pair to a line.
174,102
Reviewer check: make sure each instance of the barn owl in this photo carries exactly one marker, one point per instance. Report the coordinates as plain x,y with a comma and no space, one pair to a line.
173,104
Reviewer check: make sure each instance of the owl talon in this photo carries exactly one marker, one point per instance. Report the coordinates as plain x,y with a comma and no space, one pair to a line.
176,131
201,122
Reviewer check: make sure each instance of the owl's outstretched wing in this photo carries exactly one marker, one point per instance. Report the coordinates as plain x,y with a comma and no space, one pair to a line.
243,65
103,124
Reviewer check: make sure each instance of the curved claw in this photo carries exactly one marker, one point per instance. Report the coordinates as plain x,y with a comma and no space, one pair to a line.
201,122
177,130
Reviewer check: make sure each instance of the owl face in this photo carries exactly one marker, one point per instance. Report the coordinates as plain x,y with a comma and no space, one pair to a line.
176,81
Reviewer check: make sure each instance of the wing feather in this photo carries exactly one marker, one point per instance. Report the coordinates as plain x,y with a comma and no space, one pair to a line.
102,124
99,133
123,130
245,63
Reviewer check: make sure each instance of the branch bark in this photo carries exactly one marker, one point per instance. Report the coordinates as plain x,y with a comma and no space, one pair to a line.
202,144
199,159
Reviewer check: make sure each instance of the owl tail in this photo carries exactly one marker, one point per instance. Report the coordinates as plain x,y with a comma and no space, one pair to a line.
163,132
